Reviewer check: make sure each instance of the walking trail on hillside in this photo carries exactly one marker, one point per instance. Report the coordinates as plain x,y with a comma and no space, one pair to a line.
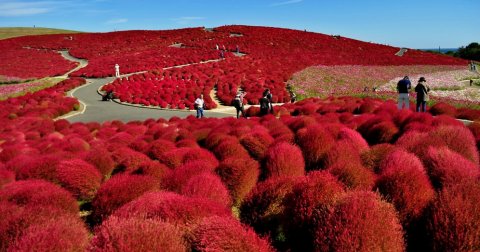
94,109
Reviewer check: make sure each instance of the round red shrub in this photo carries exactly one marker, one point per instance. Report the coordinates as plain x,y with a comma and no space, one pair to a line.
75,144
226,234
229,149
404,182
240,175
79,177
383,132
102,159
172,208
207,185
446,167
119,190
176,179
159,147
128,160
309,205
39,193
154,169
65,233
342,152
6,176
361,221
453,219
136,234
284,159
263,208
257,143
315,142
40,167
458,139
354,138
353,175
442,108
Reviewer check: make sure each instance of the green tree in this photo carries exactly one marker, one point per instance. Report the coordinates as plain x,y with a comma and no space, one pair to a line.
471,52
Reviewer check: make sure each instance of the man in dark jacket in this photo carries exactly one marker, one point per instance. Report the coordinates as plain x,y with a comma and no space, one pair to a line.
403,87
422,94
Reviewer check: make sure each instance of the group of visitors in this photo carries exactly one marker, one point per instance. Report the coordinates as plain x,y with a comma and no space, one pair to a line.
422,89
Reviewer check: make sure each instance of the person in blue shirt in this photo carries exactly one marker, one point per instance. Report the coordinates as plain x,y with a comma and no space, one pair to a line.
403,87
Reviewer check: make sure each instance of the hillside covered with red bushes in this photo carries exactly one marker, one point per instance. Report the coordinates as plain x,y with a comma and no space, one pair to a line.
336,174
272,56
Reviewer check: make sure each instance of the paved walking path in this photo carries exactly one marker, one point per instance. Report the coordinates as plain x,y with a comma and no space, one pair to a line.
94,109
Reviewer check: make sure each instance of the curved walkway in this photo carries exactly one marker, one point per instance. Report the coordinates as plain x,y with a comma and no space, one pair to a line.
94,109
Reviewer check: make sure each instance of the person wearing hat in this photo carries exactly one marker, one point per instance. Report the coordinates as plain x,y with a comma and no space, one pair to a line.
422,94
403,87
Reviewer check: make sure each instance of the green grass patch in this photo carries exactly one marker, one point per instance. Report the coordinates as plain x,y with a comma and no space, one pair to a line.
12,32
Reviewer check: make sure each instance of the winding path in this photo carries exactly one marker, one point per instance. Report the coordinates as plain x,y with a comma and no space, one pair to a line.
94,109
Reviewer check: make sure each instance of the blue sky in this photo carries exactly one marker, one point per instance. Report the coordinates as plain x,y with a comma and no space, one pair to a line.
407,23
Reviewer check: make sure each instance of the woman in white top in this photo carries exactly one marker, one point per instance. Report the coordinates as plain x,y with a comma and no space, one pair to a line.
199,105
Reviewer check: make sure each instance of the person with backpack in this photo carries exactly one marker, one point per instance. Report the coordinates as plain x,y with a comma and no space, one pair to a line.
422,94
238,103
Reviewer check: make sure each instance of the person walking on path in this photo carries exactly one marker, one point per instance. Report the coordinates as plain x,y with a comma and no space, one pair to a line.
199,106
238,103
266,101
117,70
422,94
403,87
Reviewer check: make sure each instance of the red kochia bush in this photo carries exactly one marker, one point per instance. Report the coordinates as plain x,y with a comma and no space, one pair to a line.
65,233
372,158
453,220
79,177
354,138
117,191
446,167
315,142
136,234
263,208
309,204
6,176
179,177
458,139
172,208
240,175
226,234
128,160
159,147
41,167
353,175
207,185
382,132
257,143
405,183
39,193
442,108
284,159
102,159
361,221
